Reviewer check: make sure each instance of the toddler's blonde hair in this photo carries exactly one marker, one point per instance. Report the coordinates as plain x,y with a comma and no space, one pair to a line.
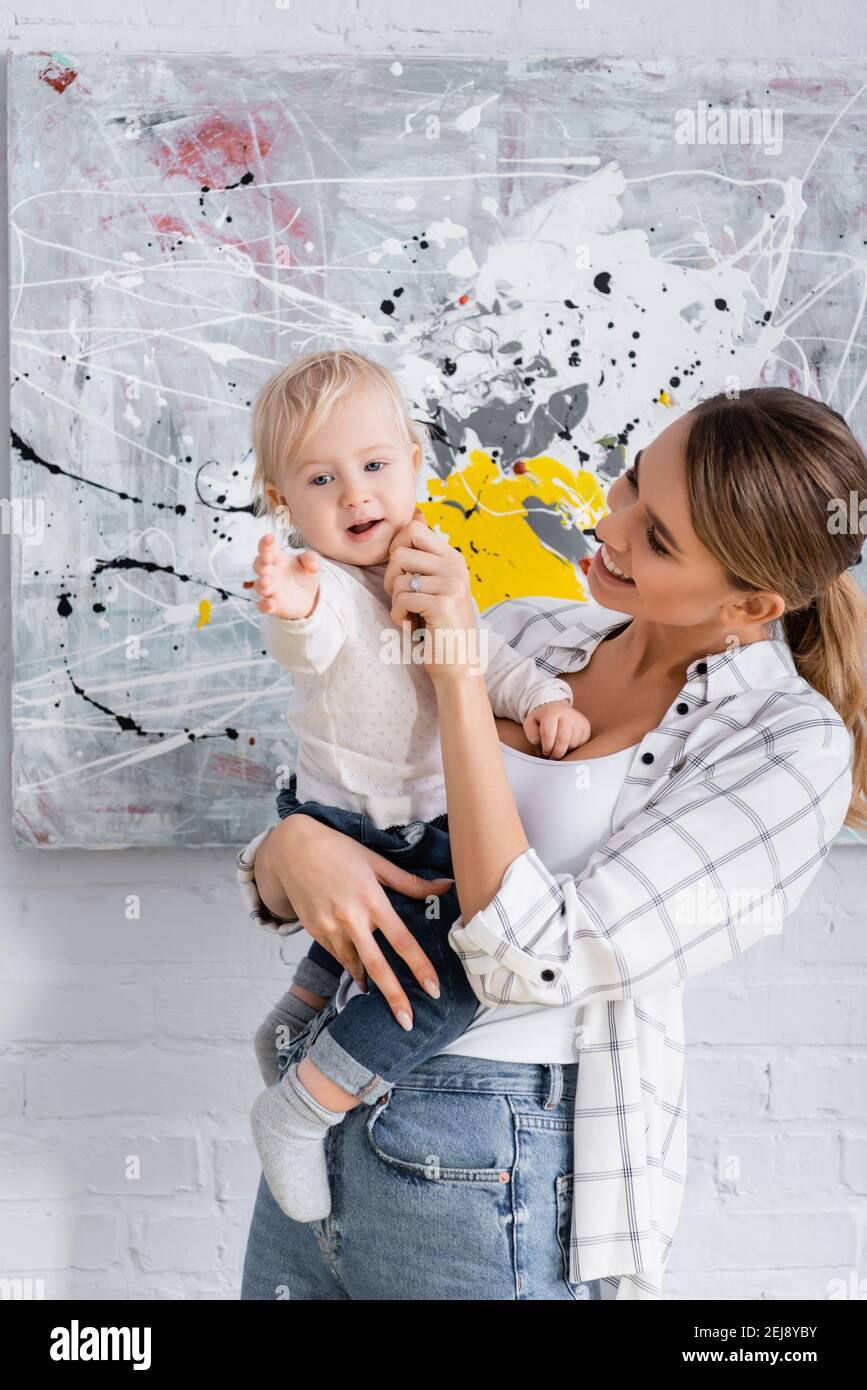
298,398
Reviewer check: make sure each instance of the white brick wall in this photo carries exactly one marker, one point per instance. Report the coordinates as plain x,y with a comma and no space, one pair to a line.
126,1066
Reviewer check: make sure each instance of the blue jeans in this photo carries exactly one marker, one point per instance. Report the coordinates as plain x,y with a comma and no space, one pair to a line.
455,1185
364,1049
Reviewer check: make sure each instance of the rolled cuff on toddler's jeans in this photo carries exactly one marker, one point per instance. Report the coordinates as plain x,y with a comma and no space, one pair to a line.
309,974
256,909
346,1071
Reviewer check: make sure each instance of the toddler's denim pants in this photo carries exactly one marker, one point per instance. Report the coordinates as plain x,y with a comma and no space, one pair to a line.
364,1049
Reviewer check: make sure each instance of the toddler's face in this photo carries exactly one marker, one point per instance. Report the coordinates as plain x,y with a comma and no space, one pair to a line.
355,468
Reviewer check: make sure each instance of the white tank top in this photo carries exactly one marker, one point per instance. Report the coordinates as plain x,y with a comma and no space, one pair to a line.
566,809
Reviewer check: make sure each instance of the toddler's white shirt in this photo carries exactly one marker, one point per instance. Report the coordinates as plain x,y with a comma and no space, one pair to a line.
367,727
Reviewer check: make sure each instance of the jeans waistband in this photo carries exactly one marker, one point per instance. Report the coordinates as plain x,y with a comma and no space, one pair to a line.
551,1082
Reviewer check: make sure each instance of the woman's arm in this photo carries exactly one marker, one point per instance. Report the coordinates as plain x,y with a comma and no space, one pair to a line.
335,885
255,887
269,881
707,869
715,860
485,830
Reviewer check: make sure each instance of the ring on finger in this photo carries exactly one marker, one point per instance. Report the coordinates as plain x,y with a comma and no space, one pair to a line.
415,582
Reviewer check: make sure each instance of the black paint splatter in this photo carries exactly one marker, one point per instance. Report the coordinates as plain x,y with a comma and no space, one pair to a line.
126,562
129,726
29,455
126,723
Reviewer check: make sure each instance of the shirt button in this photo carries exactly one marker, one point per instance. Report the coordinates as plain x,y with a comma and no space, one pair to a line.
701,667
647,757
683,708
547,974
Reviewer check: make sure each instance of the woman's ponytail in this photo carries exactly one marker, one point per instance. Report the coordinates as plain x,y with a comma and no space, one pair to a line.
829,644
777,486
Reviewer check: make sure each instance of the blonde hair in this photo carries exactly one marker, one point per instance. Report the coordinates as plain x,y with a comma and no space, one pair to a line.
298,398
763,472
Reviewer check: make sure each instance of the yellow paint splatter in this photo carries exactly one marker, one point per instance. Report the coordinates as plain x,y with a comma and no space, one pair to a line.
665,398
204,612
481,510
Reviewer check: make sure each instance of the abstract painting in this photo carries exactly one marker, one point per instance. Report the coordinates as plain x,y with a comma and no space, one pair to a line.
555,256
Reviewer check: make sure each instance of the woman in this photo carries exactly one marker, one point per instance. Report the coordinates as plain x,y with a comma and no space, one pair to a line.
543,1155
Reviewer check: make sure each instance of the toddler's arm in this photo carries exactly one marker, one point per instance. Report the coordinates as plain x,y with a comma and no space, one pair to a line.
303,605
518,690
515,684
556,727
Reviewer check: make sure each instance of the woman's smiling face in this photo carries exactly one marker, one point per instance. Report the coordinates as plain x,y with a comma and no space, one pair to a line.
648,534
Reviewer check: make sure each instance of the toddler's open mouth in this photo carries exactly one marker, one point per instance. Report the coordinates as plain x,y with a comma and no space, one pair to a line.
364,528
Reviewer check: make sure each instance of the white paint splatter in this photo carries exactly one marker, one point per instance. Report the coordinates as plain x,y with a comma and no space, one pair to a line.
469,119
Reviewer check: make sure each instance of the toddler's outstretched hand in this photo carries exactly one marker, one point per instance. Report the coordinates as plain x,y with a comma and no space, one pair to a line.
557,727
289,584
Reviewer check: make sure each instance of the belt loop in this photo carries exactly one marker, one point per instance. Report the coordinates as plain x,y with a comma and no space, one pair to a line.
555,1085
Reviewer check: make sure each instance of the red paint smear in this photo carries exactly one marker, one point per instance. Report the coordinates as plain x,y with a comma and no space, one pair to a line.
170,226
798,85
240,768
285,211
57,77
170,230
219,152
40,836
464,299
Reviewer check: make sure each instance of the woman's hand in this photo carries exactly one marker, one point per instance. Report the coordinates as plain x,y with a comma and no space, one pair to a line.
444,600
335,886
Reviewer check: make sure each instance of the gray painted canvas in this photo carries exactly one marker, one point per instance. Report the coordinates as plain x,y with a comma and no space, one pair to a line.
554,256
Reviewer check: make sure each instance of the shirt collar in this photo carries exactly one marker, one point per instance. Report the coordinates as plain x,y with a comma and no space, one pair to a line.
756,665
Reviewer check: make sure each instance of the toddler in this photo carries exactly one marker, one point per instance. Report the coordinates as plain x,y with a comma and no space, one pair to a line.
338,457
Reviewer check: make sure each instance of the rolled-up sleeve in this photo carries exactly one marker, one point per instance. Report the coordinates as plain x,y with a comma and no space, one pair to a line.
704,871
256,909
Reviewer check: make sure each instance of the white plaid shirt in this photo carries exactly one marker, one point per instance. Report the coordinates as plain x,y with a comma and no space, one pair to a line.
727,813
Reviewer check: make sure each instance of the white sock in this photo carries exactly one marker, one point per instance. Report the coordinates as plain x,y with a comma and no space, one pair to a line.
289,1128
